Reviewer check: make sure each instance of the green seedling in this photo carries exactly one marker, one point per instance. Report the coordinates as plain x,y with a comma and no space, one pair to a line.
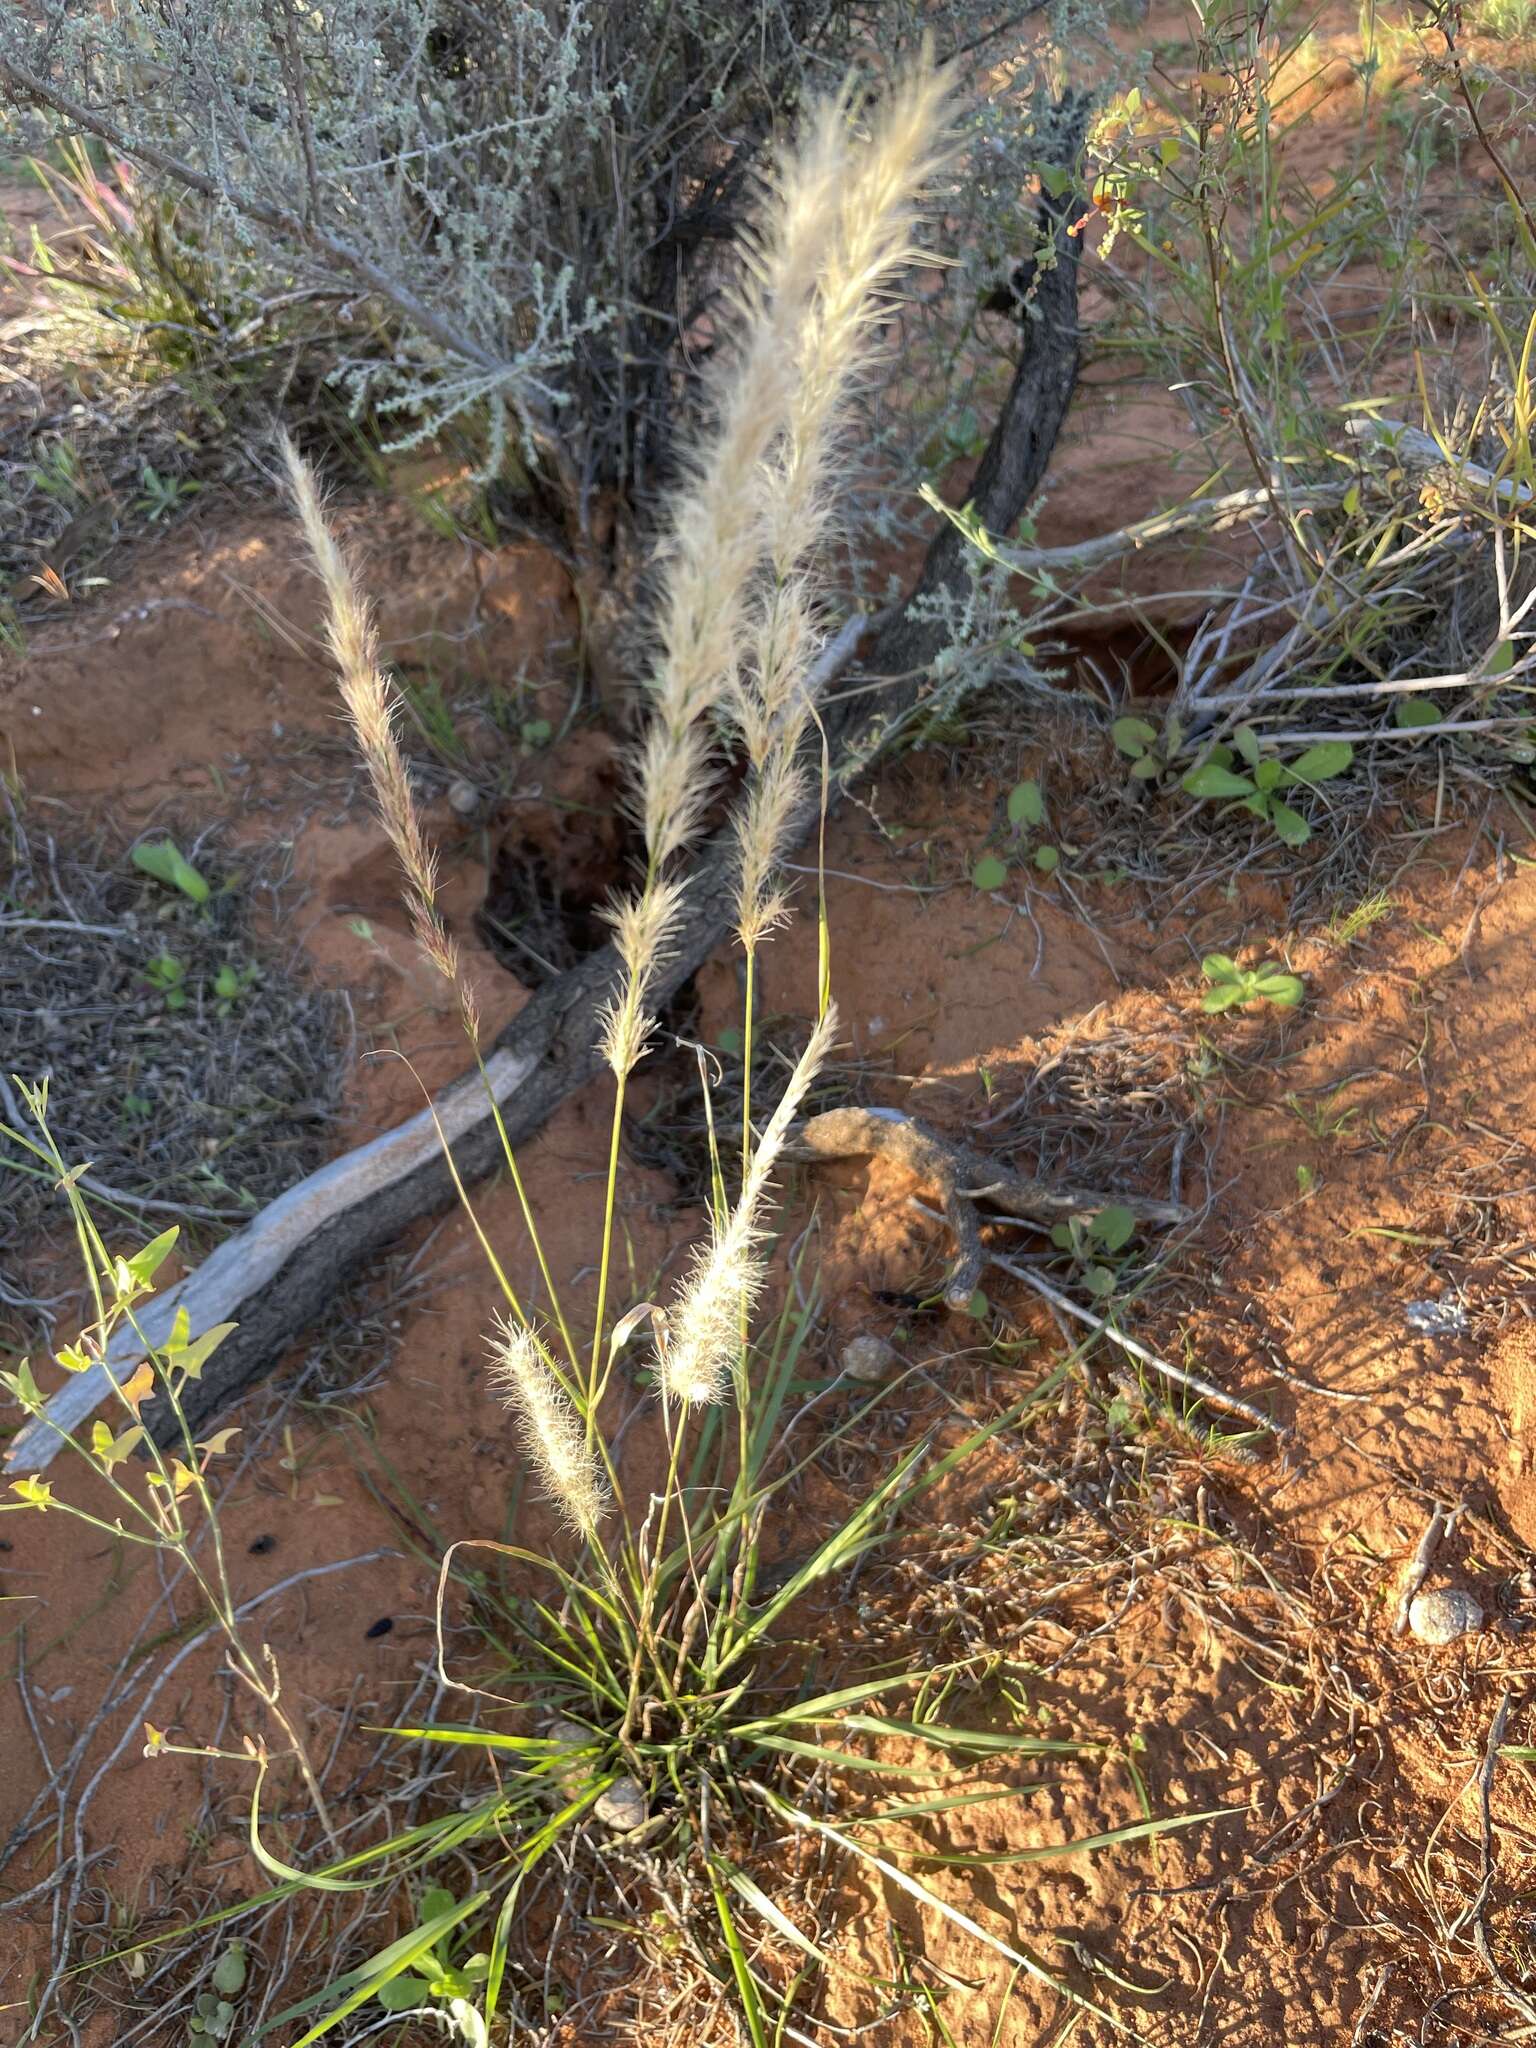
168,975
230,984
1026,812
159,495
1259,789
434,1975
1233,987
212,2019
1093,1239
1149,751
164,861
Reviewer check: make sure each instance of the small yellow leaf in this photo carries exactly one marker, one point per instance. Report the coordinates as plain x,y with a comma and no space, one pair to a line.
191,1358
154,1739
138,1388
73,1358
219,1442
327,1500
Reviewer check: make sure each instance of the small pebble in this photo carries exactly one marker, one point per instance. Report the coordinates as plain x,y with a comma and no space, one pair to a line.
868,1358
1444,1615
622,1807
464,798
381,1627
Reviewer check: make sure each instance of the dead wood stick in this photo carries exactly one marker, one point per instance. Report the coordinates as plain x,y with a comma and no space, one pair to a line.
1418,450
963,1178
279,1273
1438,1524
1206,1389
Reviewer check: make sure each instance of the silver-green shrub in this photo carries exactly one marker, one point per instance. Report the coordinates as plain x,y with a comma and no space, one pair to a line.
545,198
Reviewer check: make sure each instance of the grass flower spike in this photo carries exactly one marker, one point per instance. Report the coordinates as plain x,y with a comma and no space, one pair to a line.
705,1319
550,1428
373,707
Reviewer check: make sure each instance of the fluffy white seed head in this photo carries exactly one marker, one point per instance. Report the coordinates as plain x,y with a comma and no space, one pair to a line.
550,1429
727,1275
760,493
643,925
373,708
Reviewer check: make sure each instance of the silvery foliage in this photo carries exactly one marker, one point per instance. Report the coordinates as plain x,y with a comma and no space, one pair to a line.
543,198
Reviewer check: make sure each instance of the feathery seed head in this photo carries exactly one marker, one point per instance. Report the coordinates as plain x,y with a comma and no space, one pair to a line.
550,1429
642,930
704,1321
372,706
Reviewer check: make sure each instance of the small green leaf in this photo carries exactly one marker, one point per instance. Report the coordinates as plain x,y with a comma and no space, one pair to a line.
1146,767
1026,806
1246,741
1415,711
23,1385
1218,967
1285,989
988,873
111,1451
1047,859
1214,780
978,1306
1502,659
1352,501
1266,774
191,1358
165,863
1291,826
400,1994
1133,736
229,1970
1322,762
436,1900
1099,1280
146,1263
1222,997
1114,1227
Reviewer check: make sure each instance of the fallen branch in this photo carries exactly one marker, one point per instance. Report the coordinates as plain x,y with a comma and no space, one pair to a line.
274,1277
1418,450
